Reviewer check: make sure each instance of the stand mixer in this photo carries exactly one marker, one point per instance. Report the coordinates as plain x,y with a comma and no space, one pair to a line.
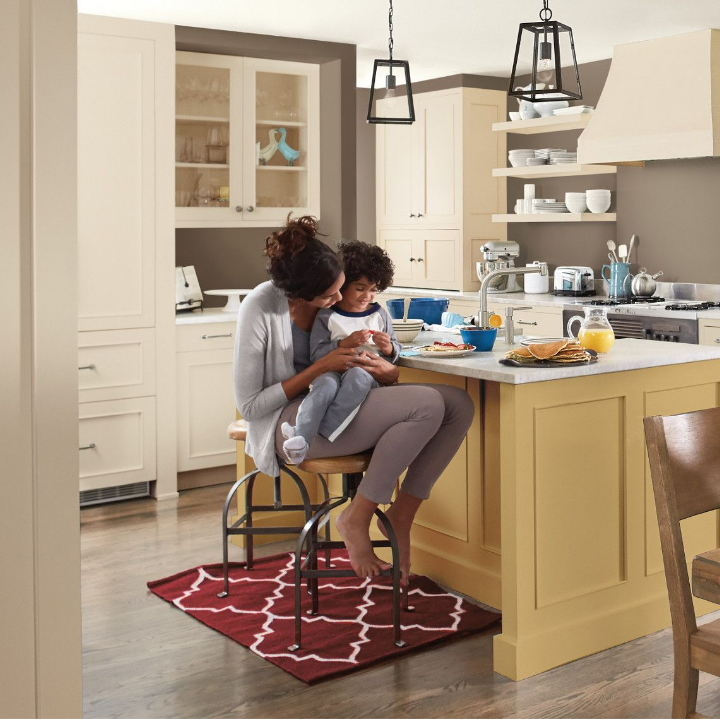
499,255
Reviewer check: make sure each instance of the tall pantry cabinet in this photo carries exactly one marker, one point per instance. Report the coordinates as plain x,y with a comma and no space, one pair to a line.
435,190
126,249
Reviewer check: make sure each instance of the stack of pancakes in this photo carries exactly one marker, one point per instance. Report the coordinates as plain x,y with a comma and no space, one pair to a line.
560,351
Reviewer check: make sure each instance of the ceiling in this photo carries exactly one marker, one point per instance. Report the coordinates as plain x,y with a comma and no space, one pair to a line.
438,37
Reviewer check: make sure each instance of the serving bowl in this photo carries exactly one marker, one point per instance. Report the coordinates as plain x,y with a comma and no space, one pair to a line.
407,330
482,338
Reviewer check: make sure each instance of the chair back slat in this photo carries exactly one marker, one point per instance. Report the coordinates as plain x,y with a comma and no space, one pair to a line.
693,447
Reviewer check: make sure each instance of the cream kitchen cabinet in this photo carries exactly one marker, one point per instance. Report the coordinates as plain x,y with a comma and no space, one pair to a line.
206,404
709,332
229,111
424,258
126,253
435,175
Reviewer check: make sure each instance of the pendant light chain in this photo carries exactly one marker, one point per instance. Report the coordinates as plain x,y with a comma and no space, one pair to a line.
546,13
390,28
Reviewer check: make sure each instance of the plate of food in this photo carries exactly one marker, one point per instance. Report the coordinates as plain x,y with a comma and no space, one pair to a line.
446,350
540,340
550,354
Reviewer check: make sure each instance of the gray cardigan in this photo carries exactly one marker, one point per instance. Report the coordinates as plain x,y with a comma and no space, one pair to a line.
263,359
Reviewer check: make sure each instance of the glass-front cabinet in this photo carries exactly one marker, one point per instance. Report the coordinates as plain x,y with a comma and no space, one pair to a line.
247,141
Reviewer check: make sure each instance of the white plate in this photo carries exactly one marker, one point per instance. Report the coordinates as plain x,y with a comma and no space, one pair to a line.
540,341
233,296
424,352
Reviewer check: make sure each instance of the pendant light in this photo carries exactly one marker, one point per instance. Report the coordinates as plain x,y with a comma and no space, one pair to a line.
390,104
541,49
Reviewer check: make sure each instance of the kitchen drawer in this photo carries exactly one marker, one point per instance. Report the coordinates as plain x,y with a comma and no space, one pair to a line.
539,322
115,364
205,336
117,442
709,333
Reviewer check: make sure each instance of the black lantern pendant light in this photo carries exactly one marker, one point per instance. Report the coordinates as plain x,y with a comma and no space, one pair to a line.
389,103
541,49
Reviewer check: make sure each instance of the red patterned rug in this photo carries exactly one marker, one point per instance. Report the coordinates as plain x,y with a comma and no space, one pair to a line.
354,631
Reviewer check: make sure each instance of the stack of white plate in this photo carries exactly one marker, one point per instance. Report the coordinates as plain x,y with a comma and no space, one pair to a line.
560,158
575,110
535,161
545,152
518,157
407,330
554,207
598,201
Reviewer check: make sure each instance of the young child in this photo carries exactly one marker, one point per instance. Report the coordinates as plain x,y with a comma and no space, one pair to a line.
356,321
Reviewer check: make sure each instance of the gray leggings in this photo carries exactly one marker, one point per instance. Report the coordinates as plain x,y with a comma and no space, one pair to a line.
418,427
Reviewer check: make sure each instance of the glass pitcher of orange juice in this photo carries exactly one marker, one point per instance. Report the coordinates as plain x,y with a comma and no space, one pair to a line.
595,332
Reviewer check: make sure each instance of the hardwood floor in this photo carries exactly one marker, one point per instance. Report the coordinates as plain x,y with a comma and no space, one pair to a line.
143,658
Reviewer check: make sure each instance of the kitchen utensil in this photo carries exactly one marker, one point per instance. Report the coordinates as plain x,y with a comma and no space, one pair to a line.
632,243
595,332
613,247
233,298
612,258
499,255
619,275
643,284
574,281
623,253
406,307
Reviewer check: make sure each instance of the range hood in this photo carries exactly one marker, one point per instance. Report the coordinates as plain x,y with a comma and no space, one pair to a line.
661,101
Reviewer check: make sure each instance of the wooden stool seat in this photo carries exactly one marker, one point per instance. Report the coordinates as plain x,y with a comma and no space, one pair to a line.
706,576
341,464
237,430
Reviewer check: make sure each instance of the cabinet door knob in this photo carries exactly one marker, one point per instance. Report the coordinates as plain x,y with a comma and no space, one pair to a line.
420,259
86,367
717,340
238,208
250,208
91,446
412,214
412,259
420,214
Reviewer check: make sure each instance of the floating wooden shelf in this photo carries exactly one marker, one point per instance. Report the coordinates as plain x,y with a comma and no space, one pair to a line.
200,119
547,171
555,217
214,166
555,123
281,123
280,168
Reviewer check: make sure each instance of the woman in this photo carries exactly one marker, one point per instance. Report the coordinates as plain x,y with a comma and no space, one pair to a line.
413,427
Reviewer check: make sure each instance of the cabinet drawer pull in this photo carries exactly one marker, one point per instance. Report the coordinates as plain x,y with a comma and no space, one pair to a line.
86,367
412,214
717,340
412,259
525,322
420,260
91,446
210,337
420,215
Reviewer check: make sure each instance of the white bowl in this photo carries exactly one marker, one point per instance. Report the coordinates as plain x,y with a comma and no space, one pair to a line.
545,109
406,336
514,116
576,206
597,193
410,323
598,204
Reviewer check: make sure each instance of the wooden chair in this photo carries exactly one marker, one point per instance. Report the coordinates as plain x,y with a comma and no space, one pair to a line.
684,453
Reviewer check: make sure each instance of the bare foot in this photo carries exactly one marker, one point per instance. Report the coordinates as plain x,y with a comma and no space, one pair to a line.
356,537
401,527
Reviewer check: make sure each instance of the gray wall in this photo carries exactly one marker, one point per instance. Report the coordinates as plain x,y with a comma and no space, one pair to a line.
233,257
672,206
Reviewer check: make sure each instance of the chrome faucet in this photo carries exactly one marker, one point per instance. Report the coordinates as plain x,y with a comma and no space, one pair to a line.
484,314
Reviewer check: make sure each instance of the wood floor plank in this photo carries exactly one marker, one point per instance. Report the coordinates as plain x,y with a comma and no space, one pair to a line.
143,658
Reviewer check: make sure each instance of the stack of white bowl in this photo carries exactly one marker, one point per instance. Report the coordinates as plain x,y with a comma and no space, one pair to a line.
407,330
576,202
598,201
518,158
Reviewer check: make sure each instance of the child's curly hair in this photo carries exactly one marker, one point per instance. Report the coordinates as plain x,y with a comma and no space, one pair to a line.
361,259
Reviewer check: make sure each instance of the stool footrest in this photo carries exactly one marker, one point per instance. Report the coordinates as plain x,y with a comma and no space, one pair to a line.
254,530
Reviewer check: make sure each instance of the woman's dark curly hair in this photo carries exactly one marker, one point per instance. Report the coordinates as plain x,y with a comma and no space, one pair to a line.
361,259
301,264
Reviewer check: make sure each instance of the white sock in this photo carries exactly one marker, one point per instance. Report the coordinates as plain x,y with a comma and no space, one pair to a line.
295,449
287,430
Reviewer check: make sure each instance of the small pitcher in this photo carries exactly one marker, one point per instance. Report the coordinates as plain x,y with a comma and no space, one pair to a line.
619,279
595,332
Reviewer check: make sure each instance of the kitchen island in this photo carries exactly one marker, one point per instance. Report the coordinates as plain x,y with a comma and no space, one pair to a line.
547,510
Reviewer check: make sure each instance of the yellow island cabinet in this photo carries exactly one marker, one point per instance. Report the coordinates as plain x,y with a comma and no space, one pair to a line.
547,510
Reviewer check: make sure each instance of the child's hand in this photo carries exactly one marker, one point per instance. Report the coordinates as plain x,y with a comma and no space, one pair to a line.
383,342
359,337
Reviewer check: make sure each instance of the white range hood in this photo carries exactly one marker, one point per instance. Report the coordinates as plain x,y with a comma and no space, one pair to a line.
661,101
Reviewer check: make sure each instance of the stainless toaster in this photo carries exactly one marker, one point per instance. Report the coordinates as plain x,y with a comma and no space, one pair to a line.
574,280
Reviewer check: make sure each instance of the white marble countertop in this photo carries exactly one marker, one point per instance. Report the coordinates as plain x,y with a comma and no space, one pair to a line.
626,354
536,299
209,315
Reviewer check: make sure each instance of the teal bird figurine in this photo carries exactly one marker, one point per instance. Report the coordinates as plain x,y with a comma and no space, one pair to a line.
286,151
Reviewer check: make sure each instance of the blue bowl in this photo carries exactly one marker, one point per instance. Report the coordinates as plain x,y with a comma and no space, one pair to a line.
429,310
483,339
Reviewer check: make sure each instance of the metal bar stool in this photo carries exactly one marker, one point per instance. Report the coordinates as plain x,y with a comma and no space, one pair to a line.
352,468
244,524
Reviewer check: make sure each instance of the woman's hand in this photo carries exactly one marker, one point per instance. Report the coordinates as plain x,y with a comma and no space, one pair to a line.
336,361
383,371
